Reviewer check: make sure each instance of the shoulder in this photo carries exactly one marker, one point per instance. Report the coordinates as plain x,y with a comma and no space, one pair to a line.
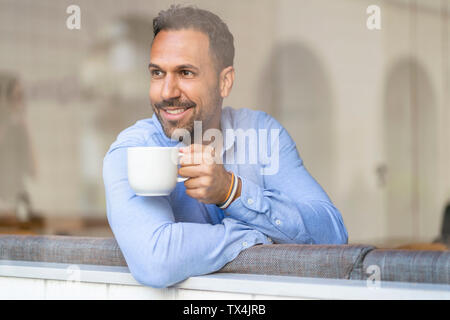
249,118
142,133
264,123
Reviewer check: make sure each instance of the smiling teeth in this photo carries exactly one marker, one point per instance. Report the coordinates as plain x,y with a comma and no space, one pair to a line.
175,111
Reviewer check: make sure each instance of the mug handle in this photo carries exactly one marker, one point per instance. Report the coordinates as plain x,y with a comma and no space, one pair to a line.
181,179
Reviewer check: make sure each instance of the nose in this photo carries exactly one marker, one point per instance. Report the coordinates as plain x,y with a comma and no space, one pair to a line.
170,89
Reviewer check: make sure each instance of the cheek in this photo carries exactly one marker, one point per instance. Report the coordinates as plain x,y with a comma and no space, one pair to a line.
199,92
192,91
153,92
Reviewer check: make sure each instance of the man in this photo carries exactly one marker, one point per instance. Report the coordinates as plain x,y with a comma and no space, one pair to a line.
224,207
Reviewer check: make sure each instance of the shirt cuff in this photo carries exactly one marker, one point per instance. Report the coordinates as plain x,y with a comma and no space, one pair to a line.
250,201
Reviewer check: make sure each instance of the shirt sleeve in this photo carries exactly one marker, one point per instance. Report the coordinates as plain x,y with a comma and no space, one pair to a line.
291,207
159,251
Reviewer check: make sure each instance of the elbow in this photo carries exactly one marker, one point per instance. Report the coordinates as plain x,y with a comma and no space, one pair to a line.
341,231
337,230
156,280
340,238
328,228
153,275
153,265
343,237
333,238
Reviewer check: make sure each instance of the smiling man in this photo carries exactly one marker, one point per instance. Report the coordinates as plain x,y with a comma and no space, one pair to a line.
223,207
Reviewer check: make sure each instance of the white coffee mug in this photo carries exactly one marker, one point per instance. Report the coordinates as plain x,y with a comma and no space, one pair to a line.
153,171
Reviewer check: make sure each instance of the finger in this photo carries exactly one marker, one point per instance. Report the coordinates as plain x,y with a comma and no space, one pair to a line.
197,193
209,150
195,147
187,160
197,182
195,158
191,171
186,149
209,155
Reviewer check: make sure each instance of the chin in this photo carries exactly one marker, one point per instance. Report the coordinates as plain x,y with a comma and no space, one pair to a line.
169,131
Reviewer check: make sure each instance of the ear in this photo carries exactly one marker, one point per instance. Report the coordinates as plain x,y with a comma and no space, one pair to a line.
226,79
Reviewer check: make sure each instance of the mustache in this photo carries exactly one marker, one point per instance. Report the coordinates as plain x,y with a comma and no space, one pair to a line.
175,103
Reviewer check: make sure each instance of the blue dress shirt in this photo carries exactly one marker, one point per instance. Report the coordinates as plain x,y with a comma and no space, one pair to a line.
167,239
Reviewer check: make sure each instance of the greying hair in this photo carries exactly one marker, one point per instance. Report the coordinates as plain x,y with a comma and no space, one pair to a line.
220,39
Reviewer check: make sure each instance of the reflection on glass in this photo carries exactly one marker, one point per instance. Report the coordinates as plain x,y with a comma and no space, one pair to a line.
17,161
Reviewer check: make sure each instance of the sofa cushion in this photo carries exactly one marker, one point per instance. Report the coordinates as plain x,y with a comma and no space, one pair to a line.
61,249
409,266
316,261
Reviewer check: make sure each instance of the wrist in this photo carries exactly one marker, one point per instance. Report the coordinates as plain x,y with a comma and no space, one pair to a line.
231,195
239,188
226,188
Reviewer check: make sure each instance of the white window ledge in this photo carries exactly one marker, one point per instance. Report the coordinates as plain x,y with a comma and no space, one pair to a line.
41,280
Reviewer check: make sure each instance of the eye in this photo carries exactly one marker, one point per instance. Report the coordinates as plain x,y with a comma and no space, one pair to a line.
156,73
187,73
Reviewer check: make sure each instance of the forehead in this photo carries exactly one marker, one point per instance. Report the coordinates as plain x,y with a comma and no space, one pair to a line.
177,47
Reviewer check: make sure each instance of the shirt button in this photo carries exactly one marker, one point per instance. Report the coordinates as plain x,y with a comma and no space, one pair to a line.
244,244
250,201
277,222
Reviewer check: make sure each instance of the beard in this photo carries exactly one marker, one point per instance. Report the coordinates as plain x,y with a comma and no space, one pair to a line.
170,126
198,114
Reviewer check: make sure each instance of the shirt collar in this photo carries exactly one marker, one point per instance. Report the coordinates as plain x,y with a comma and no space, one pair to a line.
166,141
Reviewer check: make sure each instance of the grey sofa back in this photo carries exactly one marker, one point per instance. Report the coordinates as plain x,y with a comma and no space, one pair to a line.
410,266
315,261
61,249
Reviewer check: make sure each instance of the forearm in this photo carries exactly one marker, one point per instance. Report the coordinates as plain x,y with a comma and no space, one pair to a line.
173,251
286,203
285,220
158,250
257,208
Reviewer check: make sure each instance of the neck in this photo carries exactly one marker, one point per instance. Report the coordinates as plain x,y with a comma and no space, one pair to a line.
214,138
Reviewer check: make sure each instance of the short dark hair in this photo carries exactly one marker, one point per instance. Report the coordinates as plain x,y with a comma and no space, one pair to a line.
220,38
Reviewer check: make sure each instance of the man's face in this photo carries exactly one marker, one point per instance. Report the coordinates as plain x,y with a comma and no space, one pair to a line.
184,84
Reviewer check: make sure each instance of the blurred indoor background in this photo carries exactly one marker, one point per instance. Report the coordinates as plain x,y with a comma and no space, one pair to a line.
368,109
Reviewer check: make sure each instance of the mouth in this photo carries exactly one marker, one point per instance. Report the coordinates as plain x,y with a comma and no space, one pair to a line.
175,113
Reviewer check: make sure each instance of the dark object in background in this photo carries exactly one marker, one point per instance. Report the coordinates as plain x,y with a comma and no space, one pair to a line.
445,231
